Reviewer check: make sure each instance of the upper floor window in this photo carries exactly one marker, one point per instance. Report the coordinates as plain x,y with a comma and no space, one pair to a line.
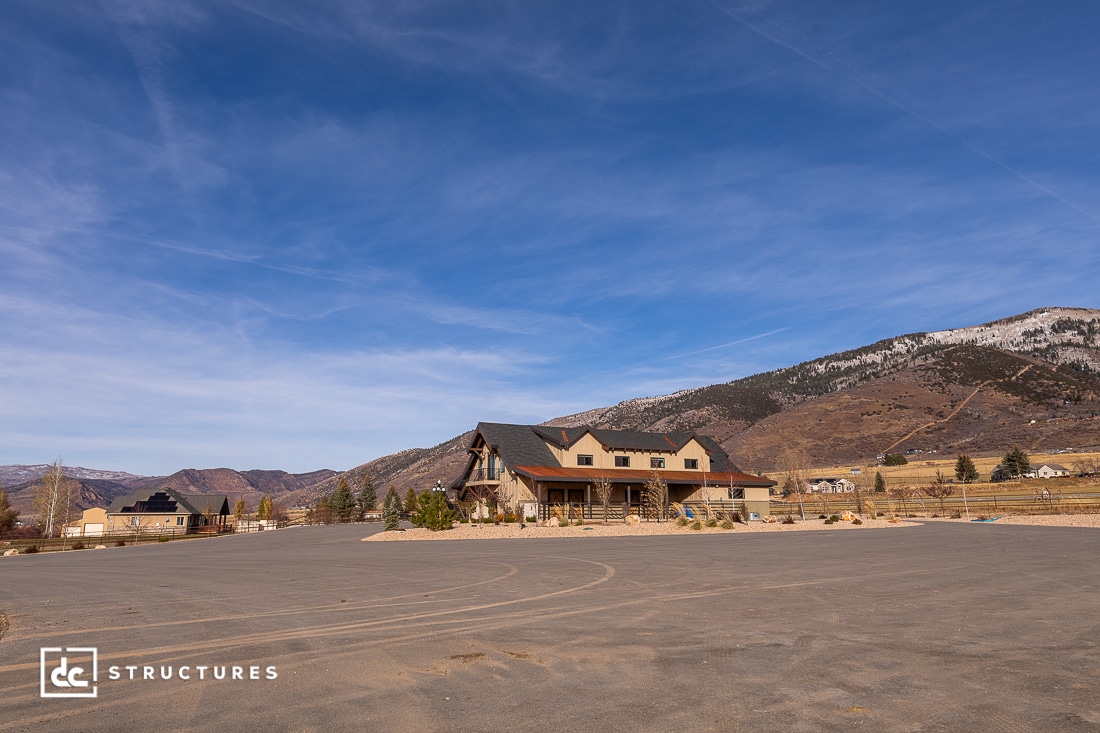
691,464
622,461
584,460
656,462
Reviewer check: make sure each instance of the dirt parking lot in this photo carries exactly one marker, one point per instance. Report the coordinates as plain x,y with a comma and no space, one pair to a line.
944,626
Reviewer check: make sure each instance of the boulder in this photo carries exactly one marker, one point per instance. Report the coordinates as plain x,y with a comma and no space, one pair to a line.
9,553
101,547
633,520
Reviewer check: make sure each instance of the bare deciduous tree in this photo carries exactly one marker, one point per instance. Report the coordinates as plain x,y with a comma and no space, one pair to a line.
795,463
940,489
602,487
655,492
53,498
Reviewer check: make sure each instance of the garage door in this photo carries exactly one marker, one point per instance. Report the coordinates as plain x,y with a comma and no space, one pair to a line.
93,530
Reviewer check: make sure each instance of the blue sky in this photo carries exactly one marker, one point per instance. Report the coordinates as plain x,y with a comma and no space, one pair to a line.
303,235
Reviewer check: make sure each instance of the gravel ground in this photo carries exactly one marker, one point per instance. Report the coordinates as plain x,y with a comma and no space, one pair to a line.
510,531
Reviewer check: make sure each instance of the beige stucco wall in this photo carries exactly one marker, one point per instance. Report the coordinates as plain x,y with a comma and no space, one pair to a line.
119,522
605,459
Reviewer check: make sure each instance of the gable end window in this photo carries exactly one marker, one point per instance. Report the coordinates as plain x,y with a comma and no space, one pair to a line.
622,461
691,464
584,460
656,462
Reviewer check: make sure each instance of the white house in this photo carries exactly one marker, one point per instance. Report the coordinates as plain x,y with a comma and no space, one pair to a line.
1048,470
829,486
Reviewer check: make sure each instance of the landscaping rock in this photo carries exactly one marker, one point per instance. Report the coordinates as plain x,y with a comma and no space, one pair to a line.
9,553
101,547
633,520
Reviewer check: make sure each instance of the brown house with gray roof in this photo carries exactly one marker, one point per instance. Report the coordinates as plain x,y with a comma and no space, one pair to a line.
533,468
167,510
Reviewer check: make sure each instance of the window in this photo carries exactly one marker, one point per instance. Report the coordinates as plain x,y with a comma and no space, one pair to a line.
622,461
584,460
179,521
691,464
656,462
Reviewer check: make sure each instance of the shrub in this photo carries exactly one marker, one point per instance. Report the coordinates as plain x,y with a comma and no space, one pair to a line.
78,545
162,539
830,521
788,519
682,520
31,550
727,523
712,522
530,520
857,520
697,524
835,517
822,516
120,543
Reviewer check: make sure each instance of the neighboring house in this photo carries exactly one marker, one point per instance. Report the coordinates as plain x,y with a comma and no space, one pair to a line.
534,468
91,524
829,486
167,510
1048,470
855,471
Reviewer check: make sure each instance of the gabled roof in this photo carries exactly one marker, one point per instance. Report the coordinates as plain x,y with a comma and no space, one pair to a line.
526,445
1052,466
174,503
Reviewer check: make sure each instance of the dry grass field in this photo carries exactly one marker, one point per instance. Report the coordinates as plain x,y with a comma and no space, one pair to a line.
922,470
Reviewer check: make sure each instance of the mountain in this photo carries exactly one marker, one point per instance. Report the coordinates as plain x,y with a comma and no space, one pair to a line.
99,488
1031,380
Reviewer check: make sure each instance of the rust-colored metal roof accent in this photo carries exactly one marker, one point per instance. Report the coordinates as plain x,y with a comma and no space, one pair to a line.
669,441
564,437
636,475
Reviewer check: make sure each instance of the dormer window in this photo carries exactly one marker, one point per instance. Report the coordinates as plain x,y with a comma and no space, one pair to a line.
583,460
656,462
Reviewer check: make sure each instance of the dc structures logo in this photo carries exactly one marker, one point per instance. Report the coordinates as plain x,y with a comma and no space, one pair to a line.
61,674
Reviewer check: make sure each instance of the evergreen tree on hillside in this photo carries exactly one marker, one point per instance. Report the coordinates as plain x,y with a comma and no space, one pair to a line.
410,500
391,509
880,483
965,470
342,502
368,496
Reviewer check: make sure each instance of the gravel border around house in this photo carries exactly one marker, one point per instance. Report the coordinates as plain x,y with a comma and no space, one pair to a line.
513,531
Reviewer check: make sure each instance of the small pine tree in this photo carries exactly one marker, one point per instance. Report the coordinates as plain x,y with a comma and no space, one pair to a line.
880,483
433,512
7,514
368,497
342,502
391,509
410,500
965,470
1016,463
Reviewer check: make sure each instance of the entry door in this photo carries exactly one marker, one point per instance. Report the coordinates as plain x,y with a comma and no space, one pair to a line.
576,496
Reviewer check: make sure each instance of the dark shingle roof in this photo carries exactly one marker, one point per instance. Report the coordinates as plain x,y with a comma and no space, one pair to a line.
524,445
185,503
